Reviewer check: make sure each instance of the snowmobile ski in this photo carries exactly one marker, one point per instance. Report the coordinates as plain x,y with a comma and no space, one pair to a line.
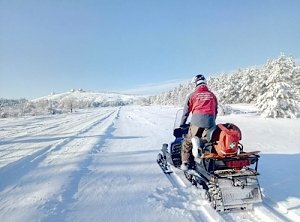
163,164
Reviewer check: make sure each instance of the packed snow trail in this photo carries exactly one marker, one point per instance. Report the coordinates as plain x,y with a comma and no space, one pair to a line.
24,137
100,165
33,185
124,174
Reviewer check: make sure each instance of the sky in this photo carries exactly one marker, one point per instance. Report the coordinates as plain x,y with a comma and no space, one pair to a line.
131,45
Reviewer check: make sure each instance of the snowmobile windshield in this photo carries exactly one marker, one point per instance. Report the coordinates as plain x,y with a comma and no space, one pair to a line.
178,119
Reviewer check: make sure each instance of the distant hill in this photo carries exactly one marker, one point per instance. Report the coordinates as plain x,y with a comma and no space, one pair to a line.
83,98
65,102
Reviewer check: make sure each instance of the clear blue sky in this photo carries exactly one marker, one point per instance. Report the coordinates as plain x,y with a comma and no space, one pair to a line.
116,45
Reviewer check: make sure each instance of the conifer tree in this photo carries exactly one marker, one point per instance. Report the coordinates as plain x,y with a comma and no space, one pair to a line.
279,100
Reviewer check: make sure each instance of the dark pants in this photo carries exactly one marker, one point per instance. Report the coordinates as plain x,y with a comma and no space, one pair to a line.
187,145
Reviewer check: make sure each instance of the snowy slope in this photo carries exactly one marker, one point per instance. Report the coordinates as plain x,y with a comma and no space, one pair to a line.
100,165
80,95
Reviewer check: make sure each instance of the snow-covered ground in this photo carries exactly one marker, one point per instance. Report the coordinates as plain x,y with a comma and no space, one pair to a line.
100,165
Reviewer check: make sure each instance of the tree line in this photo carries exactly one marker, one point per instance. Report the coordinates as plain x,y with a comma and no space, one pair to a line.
274,88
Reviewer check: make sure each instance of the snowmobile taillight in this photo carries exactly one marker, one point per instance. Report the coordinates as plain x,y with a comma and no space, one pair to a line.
237,164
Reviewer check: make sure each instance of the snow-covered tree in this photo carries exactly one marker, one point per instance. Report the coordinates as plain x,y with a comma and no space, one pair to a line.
296,79
248,92
280,98
275,88
67,103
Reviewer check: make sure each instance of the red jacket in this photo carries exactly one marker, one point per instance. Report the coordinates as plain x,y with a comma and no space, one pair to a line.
203,101
203,105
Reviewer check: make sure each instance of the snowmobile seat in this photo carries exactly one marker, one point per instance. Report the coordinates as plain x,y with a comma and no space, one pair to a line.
211,134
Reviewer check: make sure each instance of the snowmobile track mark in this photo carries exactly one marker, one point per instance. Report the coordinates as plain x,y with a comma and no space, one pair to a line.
67,195
28,163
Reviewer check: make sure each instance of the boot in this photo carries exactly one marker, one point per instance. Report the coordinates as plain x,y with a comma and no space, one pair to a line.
184,166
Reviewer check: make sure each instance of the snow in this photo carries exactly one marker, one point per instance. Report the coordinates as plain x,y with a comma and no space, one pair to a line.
100,165
81,95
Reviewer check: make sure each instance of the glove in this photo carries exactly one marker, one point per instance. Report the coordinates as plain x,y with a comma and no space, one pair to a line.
182,126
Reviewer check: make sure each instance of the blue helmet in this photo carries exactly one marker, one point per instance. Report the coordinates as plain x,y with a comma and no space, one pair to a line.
199,80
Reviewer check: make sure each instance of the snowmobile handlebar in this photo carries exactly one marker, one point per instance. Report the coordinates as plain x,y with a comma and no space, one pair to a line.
181,131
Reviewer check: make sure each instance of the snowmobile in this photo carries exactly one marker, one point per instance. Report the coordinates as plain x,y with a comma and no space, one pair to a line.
219,166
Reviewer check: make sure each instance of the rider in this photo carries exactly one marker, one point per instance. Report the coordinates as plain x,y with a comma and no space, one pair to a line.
203,105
